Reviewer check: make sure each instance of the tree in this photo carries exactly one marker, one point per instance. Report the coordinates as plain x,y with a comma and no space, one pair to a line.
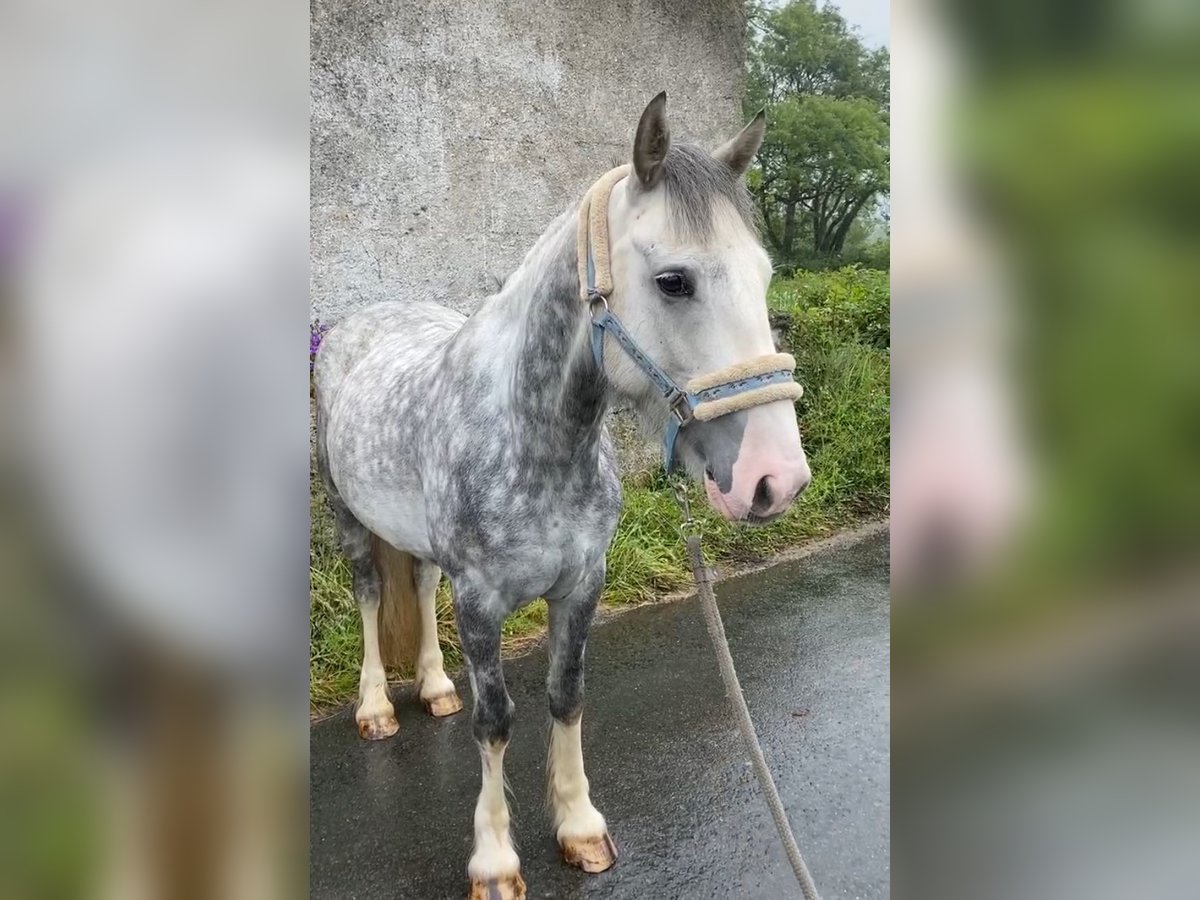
825,156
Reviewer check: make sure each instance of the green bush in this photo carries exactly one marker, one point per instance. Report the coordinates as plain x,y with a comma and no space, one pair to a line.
839,333
873,255
839,307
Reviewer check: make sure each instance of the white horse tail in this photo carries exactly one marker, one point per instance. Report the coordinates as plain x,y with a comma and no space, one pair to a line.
399,615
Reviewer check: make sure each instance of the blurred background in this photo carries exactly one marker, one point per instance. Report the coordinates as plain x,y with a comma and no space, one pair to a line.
1044,207
1045,428
153,292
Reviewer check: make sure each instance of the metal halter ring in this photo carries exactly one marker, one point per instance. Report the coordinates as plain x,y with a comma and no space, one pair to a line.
596,298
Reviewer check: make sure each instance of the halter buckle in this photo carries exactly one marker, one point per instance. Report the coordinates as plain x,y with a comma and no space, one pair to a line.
677,400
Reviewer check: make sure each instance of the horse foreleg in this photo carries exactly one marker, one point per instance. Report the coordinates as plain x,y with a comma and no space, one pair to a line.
434,688
580,829
494,868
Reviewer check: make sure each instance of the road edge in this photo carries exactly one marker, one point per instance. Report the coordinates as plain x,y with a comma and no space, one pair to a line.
527,644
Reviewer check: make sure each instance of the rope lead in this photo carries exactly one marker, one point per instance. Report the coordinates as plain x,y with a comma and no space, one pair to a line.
733,689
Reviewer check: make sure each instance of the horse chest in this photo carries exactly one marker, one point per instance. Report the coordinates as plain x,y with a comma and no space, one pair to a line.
526,538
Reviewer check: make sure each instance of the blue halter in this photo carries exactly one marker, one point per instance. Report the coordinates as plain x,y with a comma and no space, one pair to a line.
682,403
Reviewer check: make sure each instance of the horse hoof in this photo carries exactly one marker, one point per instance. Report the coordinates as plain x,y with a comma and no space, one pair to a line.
376,728
445,705
507,887
590,854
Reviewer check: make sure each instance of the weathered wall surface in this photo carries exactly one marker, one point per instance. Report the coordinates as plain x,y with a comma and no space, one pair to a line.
447,135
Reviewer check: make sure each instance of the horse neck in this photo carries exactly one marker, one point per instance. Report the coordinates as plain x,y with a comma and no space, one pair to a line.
558,393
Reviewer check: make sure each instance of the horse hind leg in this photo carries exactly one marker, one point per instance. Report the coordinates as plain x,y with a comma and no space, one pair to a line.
434,688
374,714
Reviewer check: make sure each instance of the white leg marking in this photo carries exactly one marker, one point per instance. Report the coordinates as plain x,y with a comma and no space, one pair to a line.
431,672
494,856
373,702
574,815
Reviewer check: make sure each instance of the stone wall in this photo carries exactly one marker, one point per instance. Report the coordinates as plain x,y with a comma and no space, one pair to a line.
446,136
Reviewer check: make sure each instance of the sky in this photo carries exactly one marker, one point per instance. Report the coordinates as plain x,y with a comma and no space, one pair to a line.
871,17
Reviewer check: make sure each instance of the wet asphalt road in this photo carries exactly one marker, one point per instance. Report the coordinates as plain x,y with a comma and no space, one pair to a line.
393,819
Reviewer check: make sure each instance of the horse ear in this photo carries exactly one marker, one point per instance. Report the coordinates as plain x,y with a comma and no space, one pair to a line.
651,142
739,151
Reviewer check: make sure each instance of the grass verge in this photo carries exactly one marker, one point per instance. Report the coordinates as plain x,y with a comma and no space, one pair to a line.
836,326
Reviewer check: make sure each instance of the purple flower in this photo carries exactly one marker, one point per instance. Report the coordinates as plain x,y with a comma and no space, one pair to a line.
317,331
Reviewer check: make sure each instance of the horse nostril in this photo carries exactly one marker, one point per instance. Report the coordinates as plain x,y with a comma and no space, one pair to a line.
762,496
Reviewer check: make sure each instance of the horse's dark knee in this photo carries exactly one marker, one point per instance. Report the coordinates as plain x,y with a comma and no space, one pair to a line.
356,546
479,632
367,583
492,720
569,624
566,694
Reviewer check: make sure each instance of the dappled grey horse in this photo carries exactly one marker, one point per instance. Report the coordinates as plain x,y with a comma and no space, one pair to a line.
477,446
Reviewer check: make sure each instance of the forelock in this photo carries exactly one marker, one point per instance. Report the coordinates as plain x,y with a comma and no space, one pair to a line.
695,182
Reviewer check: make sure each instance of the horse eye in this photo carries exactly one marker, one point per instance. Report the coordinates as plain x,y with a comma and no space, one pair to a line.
673,284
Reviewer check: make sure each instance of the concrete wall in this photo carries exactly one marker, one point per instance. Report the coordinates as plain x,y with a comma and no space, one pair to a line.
447,135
